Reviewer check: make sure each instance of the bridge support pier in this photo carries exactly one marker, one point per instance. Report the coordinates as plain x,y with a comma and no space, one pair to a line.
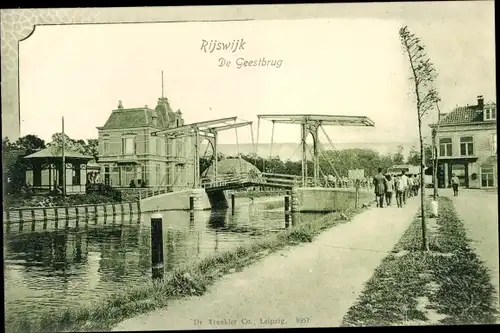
196,201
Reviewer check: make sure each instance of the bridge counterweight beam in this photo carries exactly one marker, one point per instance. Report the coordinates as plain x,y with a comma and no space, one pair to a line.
314,133
196,179
215,155
304,153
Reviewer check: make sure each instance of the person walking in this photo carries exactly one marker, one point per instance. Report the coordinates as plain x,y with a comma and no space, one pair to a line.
404,186
416,185
409,190
380,183
399,188
454,183
389,189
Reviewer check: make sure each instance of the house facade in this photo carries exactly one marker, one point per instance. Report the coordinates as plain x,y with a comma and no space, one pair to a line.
467,146
129,153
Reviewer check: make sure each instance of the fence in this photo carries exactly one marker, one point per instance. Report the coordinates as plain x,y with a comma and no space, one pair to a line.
33,216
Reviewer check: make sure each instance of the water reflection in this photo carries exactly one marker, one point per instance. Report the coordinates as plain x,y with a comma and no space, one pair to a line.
61,268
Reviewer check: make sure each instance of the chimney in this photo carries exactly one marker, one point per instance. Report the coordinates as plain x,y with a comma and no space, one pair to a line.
120,105
480,101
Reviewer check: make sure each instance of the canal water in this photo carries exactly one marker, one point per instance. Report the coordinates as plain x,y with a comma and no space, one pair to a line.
54,270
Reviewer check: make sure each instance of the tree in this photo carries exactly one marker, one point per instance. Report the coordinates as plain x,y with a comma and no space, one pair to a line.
91,148
69,143
14,166
423,75
398,157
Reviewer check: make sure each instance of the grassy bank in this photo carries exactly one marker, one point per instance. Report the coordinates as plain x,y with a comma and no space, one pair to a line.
20,201
447,285
188,281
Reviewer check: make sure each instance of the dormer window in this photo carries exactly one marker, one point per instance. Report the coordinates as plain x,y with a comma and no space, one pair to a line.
490,114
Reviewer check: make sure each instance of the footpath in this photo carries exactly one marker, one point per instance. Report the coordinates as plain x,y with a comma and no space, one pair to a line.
478,210
310,285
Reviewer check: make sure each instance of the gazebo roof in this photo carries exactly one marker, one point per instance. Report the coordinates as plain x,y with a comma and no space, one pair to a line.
55,153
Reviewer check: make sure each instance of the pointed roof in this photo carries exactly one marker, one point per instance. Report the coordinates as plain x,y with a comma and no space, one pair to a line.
162,115
166,115
56,152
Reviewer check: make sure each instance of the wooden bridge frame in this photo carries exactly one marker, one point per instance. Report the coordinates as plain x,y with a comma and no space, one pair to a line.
310,124
204,130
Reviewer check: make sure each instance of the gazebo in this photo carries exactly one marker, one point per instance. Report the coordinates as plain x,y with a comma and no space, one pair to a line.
45,170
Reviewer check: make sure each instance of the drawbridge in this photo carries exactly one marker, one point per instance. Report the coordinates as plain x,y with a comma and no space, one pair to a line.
310,124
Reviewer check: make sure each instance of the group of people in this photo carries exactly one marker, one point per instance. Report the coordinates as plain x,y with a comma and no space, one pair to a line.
404,186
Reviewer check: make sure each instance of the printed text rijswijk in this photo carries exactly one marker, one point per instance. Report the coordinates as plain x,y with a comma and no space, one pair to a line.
215,45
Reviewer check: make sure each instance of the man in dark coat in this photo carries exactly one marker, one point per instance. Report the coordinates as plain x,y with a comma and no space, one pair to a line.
380,183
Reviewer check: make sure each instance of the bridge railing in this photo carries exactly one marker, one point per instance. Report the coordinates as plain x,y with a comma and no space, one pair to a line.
276,179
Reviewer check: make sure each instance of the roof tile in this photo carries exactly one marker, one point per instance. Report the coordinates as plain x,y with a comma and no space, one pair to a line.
463,115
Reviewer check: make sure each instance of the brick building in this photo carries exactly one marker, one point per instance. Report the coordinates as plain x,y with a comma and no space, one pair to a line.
128,152
467,145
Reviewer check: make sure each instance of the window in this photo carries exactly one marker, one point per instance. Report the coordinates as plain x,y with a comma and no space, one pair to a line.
490,114
467,146
493,144
170,147
487,175
106,146
158,175
158,146
445,147
128,146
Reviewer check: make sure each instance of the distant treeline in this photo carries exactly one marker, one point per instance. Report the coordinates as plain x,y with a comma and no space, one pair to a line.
342,160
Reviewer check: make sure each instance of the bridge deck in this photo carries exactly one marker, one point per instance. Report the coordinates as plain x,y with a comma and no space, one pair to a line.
248,180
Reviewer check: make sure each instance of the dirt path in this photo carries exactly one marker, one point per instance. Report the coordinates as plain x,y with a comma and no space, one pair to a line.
309,285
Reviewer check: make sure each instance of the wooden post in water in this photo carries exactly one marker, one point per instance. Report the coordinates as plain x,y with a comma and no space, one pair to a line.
191,203
21,222
67,216
105,213
157,246
122,211
95,214
113,206
44,219
232,203
86,215
33,220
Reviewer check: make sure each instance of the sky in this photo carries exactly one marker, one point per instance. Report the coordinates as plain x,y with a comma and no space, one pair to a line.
352,66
